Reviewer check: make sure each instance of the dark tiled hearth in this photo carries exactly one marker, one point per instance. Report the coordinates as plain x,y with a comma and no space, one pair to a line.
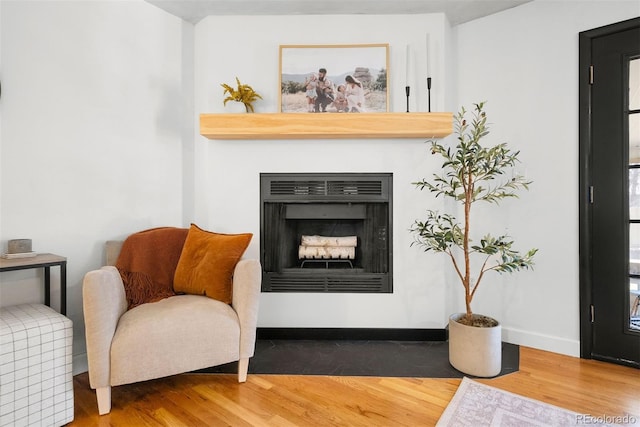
420,359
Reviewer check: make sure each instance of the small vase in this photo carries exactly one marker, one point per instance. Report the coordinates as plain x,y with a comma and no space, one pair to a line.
236,107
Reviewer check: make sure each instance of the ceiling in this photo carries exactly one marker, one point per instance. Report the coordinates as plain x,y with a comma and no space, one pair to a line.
457,11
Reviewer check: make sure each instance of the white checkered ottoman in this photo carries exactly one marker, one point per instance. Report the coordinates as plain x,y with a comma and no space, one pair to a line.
36,378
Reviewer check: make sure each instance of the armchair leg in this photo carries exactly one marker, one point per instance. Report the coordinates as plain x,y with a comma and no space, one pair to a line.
103,395
243,368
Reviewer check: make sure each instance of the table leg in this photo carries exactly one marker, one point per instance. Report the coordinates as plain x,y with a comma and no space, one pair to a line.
63,288
47,286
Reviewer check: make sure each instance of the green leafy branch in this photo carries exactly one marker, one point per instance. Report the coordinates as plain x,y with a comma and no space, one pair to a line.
471,164
442,233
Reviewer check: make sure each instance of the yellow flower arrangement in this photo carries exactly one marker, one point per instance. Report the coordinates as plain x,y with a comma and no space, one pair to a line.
244,94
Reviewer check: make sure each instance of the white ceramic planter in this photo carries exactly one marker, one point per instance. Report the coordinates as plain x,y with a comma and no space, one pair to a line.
475,351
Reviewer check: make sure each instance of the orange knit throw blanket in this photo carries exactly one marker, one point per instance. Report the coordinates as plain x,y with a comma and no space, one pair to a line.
147,263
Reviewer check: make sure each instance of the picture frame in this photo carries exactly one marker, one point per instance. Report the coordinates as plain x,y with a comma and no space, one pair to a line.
357,75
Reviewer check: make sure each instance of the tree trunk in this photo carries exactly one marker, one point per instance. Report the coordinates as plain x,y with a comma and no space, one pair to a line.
467,263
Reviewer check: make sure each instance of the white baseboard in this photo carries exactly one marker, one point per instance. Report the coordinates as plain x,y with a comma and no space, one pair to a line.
80,364
541,341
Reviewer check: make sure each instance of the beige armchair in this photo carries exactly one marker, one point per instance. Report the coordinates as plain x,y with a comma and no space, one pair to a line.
178,334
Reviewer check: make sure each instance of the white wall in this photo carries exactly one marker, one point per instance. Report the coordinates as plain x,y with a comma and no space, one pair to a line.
229,170
97,141
92,112
524,62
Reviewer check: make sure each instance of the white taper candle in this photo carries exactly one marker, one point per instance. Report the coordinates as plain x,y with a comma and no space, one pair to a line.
428,59
406,77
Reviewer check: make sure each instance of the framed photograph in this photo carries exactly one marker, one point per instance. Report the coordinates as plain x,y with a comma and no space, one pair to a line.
334,78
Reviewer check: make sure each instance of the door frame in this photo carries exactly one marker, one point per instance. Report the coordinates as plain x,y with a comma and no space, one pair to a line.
585,174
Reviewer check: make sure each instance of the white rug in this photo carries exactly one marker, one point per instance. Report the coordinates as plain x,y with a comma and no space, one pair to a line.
476,405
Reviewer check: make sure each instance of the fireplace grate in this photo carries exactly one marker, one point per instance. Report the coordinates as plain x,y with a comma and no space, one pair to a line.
304,188
367,283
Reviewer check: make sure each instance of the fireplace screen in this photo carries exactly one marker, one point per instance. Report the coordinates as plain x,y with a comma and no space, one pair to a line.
326,232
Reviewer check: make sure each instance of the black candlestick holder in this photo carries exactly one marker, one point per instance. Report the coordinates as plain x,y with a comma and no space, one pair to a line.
429,93
407,90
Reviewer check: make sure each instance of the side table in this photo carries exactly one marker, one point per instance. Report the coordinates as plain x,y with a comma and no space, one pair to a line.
45,261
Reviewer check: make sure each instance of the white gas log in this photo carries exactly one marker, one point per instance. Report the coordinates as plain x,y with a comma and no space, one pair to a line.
326,252
329,241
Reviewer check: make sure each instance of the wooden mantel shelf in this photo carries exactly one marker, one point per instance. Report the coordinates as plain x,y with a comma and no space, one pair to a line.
325,125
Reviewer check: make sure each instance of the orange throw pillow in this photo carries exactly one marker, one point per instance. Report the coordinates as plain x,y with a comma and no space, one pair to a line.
207,262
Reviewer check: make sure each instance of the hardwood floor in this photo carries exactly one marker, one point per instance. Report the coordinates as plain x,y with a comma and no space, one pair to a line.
584,386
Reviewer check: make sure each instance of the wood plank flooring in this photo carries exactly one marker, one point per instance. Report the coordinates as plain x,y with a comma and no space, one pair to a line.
584,386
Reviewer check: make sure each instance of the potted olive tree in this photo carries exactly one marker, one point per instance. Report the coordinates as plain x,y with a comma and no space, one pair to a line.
472,173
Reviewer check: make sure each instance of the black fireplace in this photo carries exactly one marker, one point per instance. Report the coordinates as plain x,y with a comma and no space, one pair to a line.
328,232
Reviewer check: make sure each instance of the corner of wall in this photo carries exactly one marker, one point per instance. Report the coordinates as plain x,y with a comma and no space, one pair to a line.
80,365
189,124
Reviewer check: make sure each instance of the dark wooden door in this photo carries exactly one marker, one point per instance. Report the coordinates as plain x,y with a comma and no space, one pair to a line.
610,203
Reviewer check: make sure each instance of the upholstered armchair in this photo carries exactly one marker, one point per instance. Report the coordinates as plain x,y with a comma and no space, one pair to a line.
172,335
